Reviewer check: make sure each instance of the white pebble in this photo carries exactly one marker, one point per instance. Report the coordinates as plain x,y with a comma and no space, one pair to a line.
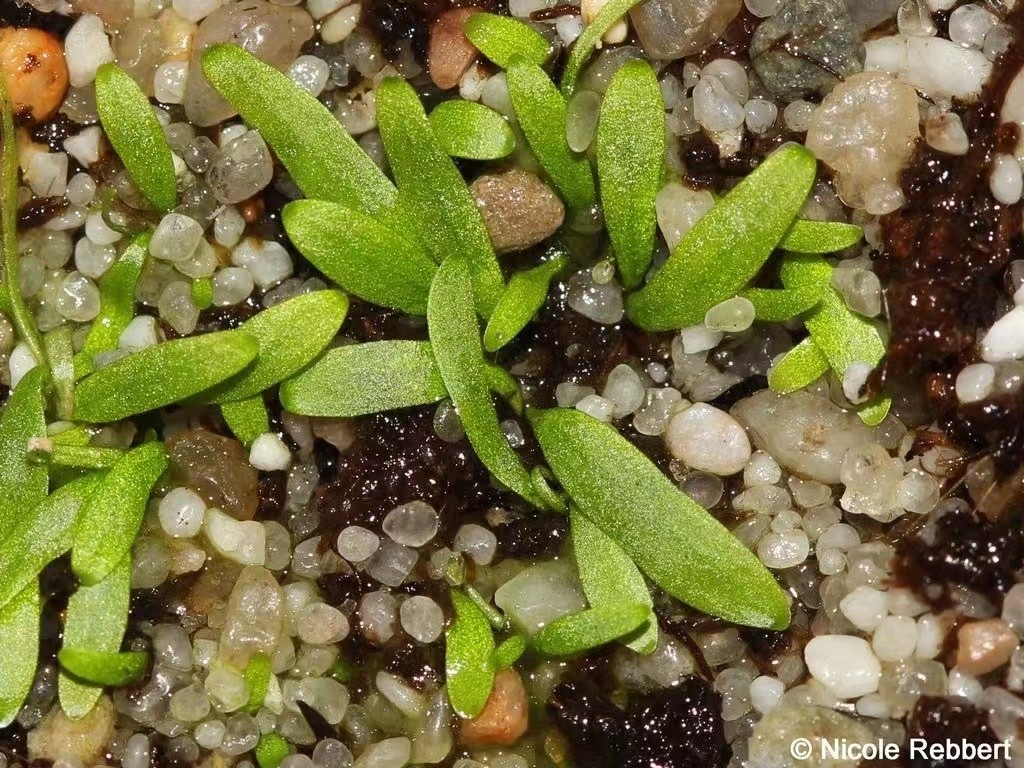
243,542
895,638
139,333
846,665
339,26
969,24
699,338
974,383
597,407
21,362
181,513
169,82
855,378
624,390
760,115
195,10
715,107
798,116
412,524
477,542
357,544
267,261
1006,179
86,48
1005,339
766,693
47,173
81,189
864,607
422,618
78,298
93,260
269,453
783,550
320,624
84,146
762,469
176,237
706,438
931,632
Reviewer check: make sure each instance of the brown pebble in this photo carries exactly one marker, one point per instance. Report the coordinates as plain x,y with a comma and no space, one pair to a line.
506,715
449,53
519,209
34,71
984,646
217,468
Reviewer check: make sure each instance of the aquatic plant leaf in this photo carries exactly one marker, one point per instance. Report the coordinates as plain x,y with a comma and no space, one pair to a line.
728,245
104,669
433,191
470,130
320,155
590,628
630,154
802,365
289,335
110,518
508,652
358,379
163,374
136,135
522,298
501,38
806,236
469,646
19,637
375,262
41,535
455,338
23,483
117,298
670,537
541,112
843,336
95,620
586,43
247,419
609,577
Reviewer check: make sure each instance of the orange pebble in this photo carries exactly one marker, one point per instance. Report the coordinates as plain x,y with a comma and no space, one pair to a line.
34,71
506,715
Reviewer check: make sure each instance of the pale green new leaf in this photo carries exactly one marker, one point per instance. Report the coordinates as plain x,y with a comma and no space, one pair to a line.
508,653
470,130
806,236
586,43
802,365
541,112
434,193
630,153
375,262
776,306
19,637
163,374
132,129
728,245
23,483
670,537
320,155
590,628
522,298
469,646
501,38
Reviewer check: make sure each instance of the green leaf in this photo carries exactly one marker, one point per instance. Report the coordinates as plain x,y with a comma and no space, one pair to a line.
289,335
470,130
19,637
320,155
42,534
442,209
95,620
802,365
591,628
469,645
630,155
23,483
776,306
729,245
522,298
110,519
359,379
82,456
508,653
61,356
136,135
586,43
271,750
843,336
202,292
247,419
161,375
117,298
257,676
501,38
609,576
363,256
541,110
504,385
104,669
670,537
806,236
455,336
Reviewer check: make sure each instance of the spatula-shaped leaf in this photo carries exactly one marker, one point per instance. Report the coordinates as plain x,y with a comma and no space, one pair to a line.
136,135
321,156
364,257
508,653
842,336
19,636
247,419
541,111
806,236
289,335
455,337
776,306
729,245
500,38
162,374
609,577
670,537
434,192
630,154
117,298
470,130
104,669
358,379
42,534
95,620
110,519
23,483
586,42
590,628
522,298
802,365
467,657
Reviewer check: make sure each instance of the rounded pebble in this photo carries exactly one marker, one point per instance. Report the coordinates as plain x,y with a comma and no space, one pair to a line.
846,665
706,438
